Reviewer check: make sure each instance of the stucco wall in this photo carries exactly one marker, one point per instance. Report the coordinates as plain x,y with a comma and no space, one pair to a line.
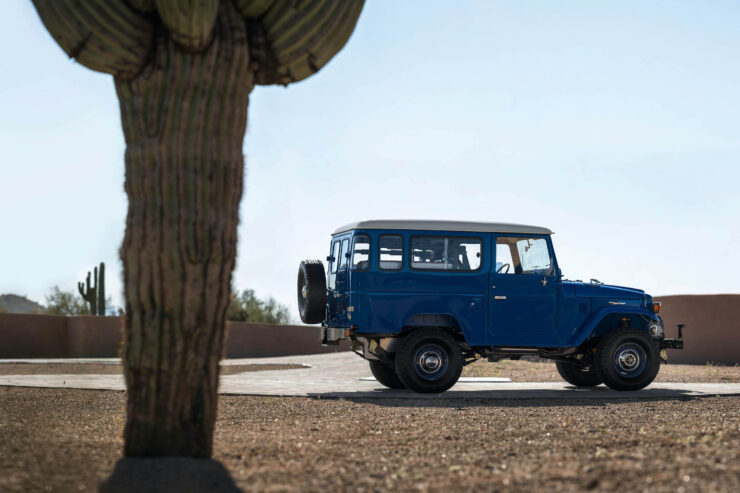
712,334
712,331
48,336
32,336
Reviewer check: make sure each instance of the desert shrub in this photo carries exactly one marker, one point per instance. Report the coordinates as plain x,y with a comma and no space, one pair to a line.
246,307
60,302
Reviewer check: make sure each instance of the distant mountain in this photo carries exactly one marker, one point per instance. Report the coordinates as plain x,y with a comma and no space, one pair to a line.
12,303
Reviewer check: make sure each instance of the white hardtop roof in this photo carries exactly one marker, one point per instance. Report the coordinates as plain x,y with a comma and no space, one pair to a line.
432,225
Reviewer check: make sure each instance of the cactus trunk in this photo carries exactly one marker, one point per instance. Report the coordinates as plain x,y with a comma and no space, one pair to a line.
184,119
101,290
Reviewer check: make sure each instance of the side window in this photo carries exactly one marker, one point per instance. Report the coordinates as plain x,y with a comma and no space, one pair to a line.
451,253
335,254
390,249
504,262
344,254
361,252
516,255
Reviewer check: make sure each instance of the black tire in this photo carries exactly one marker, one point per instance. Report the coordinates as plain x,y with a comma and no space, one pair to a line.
385,374
311,291
429,361
627,359
575,374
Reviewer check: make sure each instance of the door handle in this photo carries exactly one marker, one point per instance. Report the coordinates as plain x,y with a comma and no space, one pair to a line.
499,297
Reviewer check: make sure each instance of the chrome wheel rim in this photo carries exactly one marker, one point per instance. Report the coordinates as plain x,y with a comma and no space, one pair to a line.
430,361
630,360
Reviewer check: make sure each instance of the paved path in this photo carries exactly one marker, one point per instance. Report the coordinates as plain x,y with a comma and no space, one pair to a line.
345,375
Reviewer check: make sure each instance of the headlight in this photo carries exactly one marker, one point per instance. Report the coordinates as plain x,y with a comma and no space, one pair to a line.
656,330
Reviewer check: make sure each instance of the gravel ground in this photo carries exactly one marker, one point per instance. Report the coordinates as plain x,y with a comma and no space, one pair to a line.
544,371
69,440
111,369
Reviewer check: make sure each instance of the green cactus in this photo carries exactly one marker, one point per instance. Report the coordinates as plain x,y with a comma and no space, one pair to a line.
183,72
101,290
94,293
89,292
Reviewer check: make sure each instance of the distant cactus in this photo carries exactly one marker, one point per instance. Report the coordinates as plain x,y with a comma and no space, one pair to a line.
94,294
101,290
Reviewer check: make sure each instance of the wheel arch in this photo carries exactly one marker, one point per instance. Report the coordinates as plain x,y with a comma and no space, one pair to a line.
444,321
612,318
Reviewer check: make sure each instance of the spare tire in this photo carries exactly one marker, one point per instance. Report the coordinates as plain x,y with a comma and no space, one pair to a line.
311,291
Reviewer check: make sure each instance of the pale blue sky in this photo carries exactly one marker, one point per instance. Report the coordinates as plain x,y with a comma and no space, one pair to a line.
614,123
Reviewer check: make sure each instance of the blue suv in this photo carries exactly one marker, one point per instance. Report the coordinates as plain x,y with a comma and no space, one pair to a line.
421,299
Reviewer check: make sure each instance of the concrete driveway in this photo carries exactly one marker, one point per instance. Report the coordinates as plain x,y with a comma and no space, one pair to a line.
345,375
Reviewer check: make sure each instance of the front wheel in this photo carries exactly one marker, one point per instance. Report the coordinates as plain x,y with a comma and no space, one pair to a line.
580,376
385,374
429,361
627,359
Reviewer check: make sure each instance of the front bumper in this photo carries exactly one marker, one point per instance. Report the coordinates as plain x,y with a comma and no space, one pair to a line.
676,343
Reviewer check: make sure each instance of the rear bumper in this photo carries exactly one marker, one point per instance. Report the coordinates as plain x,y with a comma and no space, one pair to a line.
331,336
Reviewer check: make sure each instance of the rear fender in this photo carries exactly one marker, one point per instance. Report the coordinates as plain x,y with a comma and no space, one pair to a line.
605,319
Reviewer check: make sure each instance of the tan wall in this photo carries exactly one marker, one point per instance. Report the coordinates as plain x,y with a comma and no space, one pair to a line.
49,336
94,337
247,340
712,333
32,336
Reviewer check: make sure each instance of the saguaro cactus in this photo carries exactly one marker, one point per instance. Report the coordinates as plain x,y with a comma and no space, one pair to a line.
101,290
183,71
94,293
89,292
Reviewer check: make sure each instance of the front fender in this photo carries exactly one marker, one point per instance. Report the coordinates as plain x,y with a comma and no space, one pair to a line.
580,335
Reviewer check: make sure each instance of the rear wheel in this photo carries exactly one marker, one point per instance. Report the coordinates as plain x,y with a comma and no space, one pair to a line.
385,374
429,361
627,359
311,291
578,375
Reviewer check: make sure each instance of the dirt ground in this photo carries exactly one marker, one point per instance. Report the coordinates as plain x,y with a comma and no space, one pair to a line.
542,370
70,440
112,368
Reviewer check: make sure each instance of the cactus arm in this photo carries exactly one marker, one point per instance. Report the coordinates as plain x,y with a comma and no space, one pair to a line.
101,289
292,41
93,292
103,35
253,9
190,22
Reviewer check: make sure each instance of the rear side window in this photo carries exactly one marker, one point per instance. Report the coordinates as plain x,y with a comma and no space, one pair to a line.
335,254
446,253
361,252
390,248
344,255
